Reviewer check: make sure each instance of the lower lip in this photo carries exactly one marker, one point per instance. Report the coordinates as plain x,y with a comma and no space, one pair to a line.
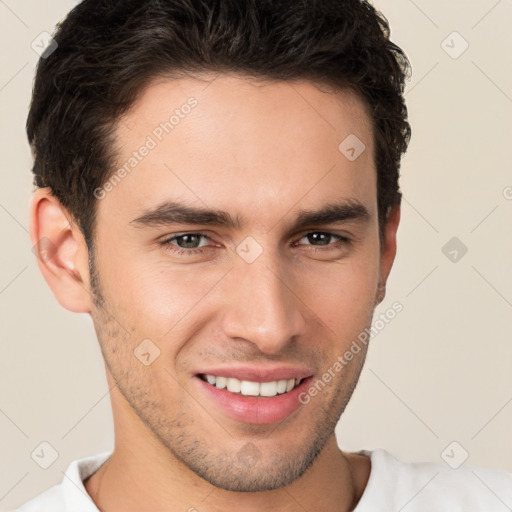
257,410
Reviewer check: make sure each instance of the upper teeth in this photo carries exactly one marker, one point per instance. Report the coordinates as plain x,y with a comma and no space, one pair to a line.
250,388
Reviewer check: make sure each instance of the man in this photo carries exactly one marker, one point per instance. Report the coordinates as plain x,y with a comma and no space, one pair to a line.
218,188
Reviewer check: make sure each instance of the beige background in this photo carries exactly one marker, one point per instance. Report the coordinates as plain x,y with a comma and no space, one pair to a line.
439,372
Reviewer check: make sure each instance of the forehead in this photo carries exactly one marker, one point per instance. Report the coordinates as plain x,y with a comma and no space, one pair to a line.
238,144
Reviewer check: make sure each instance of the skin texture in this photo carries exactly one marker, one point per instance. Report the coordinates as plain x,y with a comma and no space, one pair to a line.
262,151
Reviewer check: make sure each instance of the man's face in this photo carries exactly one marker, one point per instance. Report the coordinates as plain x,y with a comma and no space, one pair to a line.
264,299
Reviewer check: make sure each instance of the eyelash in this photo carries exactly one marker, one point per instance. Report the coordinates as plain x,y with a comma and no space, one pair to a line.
169,246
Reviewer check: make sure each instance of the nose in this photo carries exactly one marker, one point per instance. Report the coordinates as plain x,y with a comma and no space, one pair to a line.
263,307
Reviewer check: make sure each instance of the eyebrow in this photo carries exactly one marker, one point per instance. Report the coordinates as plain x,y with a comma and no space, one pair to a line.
173,212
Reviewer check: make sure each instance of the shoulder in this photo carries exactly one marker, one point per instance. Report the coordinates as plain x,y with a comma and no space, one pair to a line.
70,495
51,499
429,486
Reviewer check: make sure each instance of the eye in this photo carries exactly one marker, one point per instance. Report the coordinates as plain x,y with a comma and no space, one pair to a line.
320,239
186,243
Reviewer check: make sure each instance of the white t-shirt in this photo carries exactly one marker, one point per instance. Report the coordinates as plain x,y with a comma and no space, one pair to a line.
393,486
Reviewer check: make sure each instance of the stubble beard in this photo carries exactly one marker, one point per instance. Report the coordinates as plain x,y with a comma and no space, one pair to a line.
248,469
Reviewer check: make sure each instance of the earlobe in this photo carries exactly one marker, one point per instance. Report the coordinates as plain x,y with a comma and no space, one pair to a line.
381,293
61,251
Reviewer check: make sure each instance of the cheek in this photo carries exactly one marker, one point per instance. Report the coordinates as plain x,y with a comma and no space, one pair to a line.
154,297
342,294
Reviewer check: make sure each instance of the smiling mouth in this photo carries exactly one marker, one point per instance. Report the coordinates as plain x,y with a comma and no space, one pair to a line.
251,388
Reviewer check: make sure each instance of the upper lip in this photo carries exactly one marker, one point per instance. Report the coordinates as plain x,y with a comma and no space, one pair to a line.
260,374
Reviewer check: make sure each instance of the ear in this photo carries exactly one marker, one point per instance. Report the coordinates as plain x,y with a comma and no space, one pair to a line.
61,251
387,251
